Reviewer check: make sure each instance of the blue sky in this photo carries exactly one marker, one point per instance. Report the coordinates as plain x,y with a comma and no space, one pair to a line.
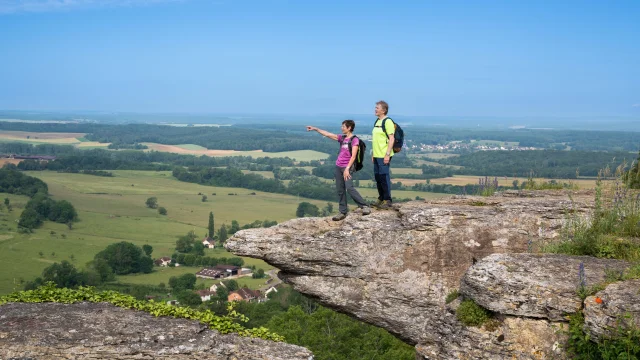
453,58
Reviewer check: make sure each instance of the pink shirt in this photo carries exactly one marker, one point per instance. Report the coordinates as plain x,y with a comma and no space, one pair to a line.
344,156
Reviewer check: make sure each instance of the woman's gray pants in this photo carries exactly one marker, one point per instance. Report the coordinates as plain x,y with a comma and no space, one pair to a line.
345,187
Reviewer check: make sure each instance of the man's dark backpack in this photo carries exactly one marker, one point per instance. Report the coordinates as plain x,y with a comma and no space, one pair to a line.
398,134
362,149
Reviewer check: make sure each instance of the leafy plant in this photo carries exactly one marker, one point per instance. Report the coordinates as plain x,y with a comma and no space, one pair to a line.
224,324
472,314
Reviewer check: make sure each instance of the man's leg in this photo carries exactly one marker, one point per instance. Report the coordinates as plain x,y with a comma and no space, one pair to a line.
385,179
378,178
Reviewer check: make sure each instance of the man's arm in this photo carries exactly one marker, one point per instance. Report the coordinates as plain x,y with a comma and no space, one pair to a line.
387,156
323,133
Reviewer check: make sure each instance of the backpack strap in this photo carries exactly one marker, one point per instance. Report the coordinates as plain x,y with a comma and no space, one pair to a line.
349,144
341,139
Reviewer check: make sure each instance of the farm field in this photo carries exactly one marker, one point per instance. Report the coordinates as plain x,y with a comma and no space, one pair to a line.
4,161
299,155
502,181
406,170
111,210
41,137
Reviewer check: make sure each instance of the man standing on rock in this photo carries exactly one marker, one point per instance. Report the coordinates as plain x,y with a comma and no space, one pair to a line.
382,144
345,167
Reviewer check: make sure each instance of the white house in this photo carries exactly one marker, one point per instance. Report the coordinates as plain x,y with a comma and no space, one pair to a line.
163,261
208,243
206,294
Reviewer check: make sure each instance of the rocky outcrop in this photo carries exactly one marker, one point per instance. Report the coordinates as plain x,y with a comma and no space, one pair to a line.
394,268
103,331
534,286
618,305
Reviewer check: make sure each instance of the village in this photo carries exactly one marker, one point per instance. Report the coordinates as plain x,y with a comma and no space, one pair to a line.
226,272
456,146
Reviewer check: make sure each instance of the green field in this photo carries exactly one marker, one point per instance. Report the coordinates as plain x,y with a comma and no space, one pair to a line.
112,210
265,174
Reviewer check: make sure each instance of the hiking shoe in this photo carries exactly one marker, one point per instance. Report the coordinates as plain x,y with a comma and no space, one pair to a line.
386,205
339,217
366,210
377,203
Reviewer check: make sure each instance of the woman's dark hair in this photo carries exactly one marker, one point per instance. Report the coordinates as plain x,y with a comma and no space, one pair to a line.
350,124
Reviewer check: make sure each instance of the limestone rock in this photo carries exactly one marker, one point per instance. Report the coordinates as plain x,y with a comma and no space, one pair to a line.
394,268
103,331
619,305
538,286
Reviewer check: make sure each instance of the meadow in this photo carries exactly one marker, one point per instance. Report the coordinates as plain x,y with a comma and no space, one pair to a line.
112,209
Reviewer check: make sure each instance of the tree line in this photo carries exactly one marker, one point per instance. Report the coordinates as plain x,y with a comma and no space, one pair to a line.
305,186
543,163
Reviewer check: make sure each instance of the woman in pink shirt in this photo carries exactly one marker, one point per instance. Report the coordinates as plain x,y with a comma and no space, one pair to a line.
344,167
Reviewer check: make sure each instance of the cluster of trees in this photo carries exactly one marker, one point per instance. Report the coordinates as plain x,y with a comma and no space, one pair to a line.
152,203
308,209
15,182
289,173
189,244
126,258
120,146
65,275
228,177
41,207
544,163
121,259
224,232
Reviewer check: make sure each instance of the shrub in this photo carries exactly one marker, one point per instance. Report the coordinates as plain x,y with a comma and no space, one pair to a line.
472,314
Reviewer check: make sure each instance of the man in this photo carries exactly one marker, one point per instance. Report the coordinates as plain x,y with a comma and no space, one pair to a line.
382,145
345,167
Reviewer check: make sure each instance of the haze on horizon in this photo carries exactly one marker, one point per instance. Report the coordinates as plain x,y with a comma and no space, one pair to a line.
486,58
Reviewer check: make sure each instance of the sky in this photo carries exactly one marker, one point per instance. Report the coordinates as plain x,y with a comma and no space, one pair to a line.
427,58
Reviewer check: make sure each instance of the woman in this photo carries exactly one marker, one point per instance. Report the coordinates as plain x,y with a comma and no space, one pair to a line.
344,168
